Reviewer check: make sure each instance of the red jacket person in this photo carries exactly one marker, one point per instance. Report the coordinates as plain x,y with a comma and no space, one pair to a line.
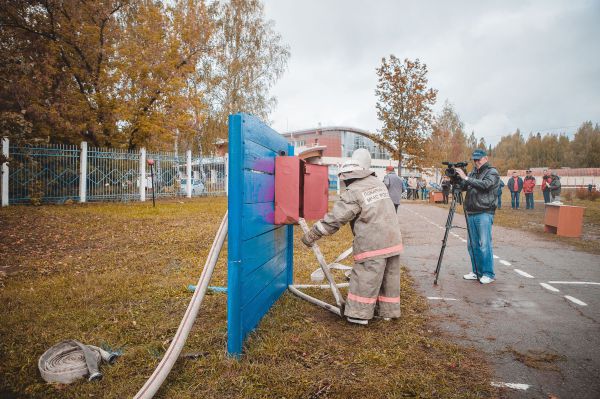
366,204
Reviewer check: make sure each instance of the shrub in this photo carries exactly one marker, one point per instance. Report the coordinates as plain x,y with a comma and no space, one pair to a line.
582,193
594,195
569,196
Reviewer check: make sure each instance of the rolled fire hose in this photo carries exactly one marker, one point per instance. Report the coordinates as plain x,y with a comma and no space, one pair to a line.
71,360
166,364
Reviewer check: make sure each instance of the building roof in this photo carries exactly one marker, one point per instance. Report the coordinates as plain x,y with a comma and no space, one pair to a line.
326,129
559,171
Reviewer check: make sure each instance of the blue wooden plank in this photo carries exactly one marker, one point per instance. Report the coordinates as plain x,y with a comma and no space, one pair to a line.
259,253
256,309
257,219
259,158
234,203
258,250
256,281
258,187
290,240
255,130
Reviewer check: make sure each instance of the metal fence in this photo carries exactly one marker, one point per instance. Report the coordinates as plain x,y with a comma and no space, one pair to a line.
43,173
112,175
59,173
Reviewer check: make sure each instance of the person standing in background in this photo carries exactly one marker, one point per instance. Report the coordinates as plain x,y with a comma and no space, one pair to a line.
515,185
446,188
412,186
555,187
423,187
500,193
545,182
393,182
528,186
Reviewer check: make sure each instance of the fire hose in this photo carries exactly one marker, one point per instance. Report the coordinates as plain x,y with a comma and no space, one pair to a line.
71,360
166,364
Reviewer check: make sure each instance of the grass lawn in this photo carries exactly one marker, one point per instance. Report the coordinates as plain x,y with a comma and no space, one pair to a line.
533,220
116,275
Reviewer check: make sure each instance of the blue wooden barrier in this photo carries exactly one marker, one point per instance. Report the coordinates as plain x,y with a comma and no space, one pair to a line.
259,260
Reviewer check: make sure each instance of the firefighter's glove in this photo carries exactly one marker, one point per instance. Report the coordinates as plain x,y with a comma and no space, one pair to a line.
309,238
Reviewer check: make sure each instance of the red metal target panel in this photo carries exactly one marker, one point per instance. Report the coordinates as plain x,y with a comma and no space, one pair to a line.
316,191
288,201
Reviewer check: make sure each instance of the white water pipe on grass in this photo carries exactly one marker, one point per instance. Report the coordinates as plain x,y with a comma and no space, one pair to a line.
164,367
316,301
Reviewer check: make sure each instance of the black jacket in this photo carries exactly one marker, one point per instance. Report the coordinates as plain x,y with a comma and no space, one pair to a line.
446,186
555,184
482,190
511,184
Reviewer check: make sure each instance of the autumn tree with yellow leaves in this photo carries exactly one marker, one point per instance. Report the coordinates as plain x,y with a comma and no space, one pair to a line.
404,107
132,73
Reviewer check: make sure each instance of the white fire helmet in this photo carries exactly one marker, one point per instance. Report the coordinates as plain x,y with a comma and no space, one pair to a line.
363,157
349,165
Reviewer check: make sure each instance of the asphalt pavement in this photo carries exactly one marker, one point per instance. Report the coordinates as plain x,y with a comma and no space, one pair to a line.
538,323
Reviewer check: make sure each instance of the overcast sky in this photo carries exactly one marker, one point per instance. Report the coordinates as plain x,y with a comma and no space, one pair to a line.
533,65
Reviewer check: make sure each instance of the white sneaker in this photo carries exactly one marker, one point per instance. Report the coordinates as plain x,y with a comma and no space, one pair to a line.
470,276
486,280
357,321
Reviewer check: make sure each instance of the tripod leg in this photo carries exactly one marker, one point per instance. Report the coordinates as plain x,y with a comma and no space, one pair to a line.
445,240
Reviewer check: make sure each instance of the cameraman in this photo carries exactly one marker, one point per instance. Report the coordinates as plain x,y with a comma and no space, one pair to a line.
481,186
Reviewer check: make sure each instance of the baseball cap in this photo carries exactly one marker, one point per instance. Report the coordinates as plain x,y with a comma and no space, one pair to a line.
478,154
389,168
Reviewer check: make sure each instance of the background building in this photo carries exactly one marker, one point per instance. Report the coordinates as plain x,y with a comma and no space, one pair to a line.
340,143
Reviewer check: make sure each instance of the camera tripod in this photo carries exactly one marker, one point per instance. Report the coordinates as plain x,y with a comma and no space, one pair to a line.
456,198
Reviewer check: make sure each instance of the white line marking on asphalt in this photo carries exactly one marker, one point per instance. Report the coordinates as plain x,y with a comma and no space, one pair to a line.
496,257
575,300
511,385
522,273
549,287
574,282
441,298
505,263
463,240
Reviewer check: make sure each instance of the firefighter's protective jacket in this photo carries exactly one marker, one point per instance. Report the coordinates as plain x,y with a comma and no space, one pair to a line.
366,204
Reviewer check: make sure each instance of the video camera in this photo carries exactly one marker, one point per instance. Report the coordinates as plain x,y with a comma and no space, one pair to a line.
451,170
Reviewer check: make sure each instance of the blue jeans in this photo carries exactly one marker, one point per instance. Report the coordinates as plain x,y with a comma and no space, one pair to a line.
499,201
514,199
546,196
529,200
480,244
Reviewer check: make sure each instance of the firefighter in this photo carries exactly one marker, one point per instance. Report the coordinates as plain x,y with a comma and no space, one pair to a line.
366,204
